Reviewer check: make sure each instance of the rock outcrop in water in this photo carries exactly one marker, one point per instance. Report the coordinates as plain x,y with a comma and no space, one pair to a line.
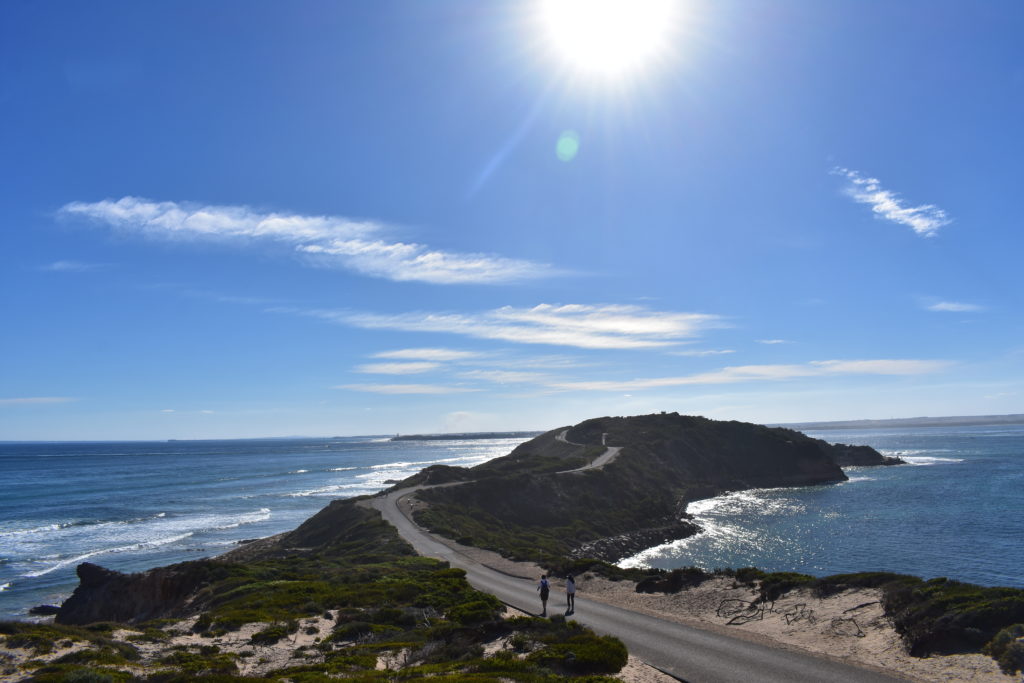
859,456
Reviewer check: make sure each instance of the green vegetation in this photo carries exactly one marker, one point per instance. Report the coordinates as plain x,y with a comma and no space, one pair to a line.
385,605
526,507
939,616
944,616
1007,648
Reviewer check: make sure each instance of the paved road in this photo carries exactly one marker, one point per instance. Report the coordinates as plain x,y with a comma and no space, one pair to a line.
610,453
687,653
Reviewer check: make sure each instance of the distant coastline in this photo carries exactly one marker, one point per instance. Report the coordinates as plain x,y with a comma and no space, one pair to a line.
465,436
955,421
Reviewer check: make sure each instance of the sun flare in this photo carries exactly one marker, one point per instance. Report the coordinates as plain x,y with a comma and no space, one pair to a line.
609,38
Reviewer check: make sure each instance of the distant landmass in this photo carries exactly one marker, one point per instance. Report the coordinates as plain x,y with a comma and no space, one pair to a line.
956,421
465,436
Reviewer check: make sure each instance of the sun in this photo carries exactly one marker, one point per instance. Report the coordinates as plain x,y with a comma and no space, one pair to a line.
609,38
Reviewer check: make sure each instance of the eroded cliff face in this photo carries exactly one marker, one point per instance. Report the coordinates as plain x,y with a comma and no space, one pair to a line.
107,595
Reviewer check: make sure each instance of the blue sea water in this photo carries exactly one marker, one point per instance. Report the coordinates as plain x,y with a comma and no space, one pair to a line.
957,510
135,505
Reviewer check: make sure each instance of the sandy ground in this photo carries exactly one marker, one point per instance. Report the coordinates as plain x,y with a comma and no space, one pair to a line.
849,626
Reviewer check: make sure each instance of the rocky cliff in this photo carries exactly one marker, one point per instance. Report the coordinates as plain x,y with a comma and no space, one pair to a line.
107,595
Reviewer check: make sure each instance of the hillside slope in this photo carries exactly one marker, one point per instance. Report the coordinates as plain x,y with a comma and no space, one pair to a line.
528,506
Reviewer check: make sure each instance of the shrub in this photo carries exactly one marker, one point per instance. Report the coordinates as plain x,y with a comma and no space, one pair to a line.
476,611
1007,648
777,584
748,575
87,676
274,633
947,617
584,654
673,581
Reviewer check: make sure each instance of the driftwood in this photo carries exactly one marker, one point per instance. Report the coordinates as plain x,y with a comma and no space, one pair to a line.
800,612
740,611
846,627
860,606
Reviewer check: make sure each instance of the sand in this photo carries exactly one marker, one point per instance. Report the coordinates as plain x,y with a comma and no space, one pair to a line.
849,626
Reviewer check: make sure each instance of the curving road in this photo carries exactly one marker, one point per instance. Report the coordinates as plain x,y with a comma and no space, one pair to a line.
684,652
610,453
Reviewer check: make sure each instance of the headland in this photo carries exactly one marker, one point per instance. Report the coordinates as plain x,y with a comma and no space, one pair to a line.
343,594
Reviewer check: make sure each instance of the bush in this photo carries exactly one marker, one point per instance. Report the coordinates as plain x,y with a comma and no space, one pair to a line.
943,616
585,653
476,611
673,581
748,575
1007,648
274,633
87,676
775,585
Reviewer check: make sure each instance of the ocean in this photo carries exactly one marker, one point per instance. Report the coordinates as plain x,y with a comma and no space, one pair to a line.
955,511
131,506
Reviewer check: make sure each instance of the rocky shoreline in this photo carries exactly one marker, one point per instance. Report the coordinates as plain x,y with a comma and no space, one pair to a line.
614,548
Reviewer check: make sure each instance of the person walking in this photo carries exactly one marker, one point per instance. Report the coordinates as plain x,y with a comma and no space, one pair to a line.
570,594
545,589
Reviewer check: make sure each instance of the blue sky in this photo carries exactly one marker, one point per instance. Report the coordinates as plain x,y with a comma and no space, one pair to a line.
237,219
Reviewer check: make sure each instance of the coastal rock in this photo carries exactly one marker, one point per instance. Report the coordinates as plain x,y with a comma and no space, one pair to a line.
614,548
44,610
845,455
107,595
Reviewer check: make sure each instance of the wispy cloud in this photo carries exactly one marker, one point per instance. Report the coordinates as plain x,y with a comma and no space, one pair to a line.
925,219
503,376
774,341
406,388
320,240
954,307
36,400
71,267
429,354
752,373
700,353
583,326
397,368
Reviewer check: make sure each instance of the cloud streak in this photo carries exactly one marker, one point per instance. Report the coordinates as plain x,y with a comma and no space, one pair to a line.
36,400
600,326
925,219
397,368
406,388
428,354
954,307
330,241
758,373
702,353
71,267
